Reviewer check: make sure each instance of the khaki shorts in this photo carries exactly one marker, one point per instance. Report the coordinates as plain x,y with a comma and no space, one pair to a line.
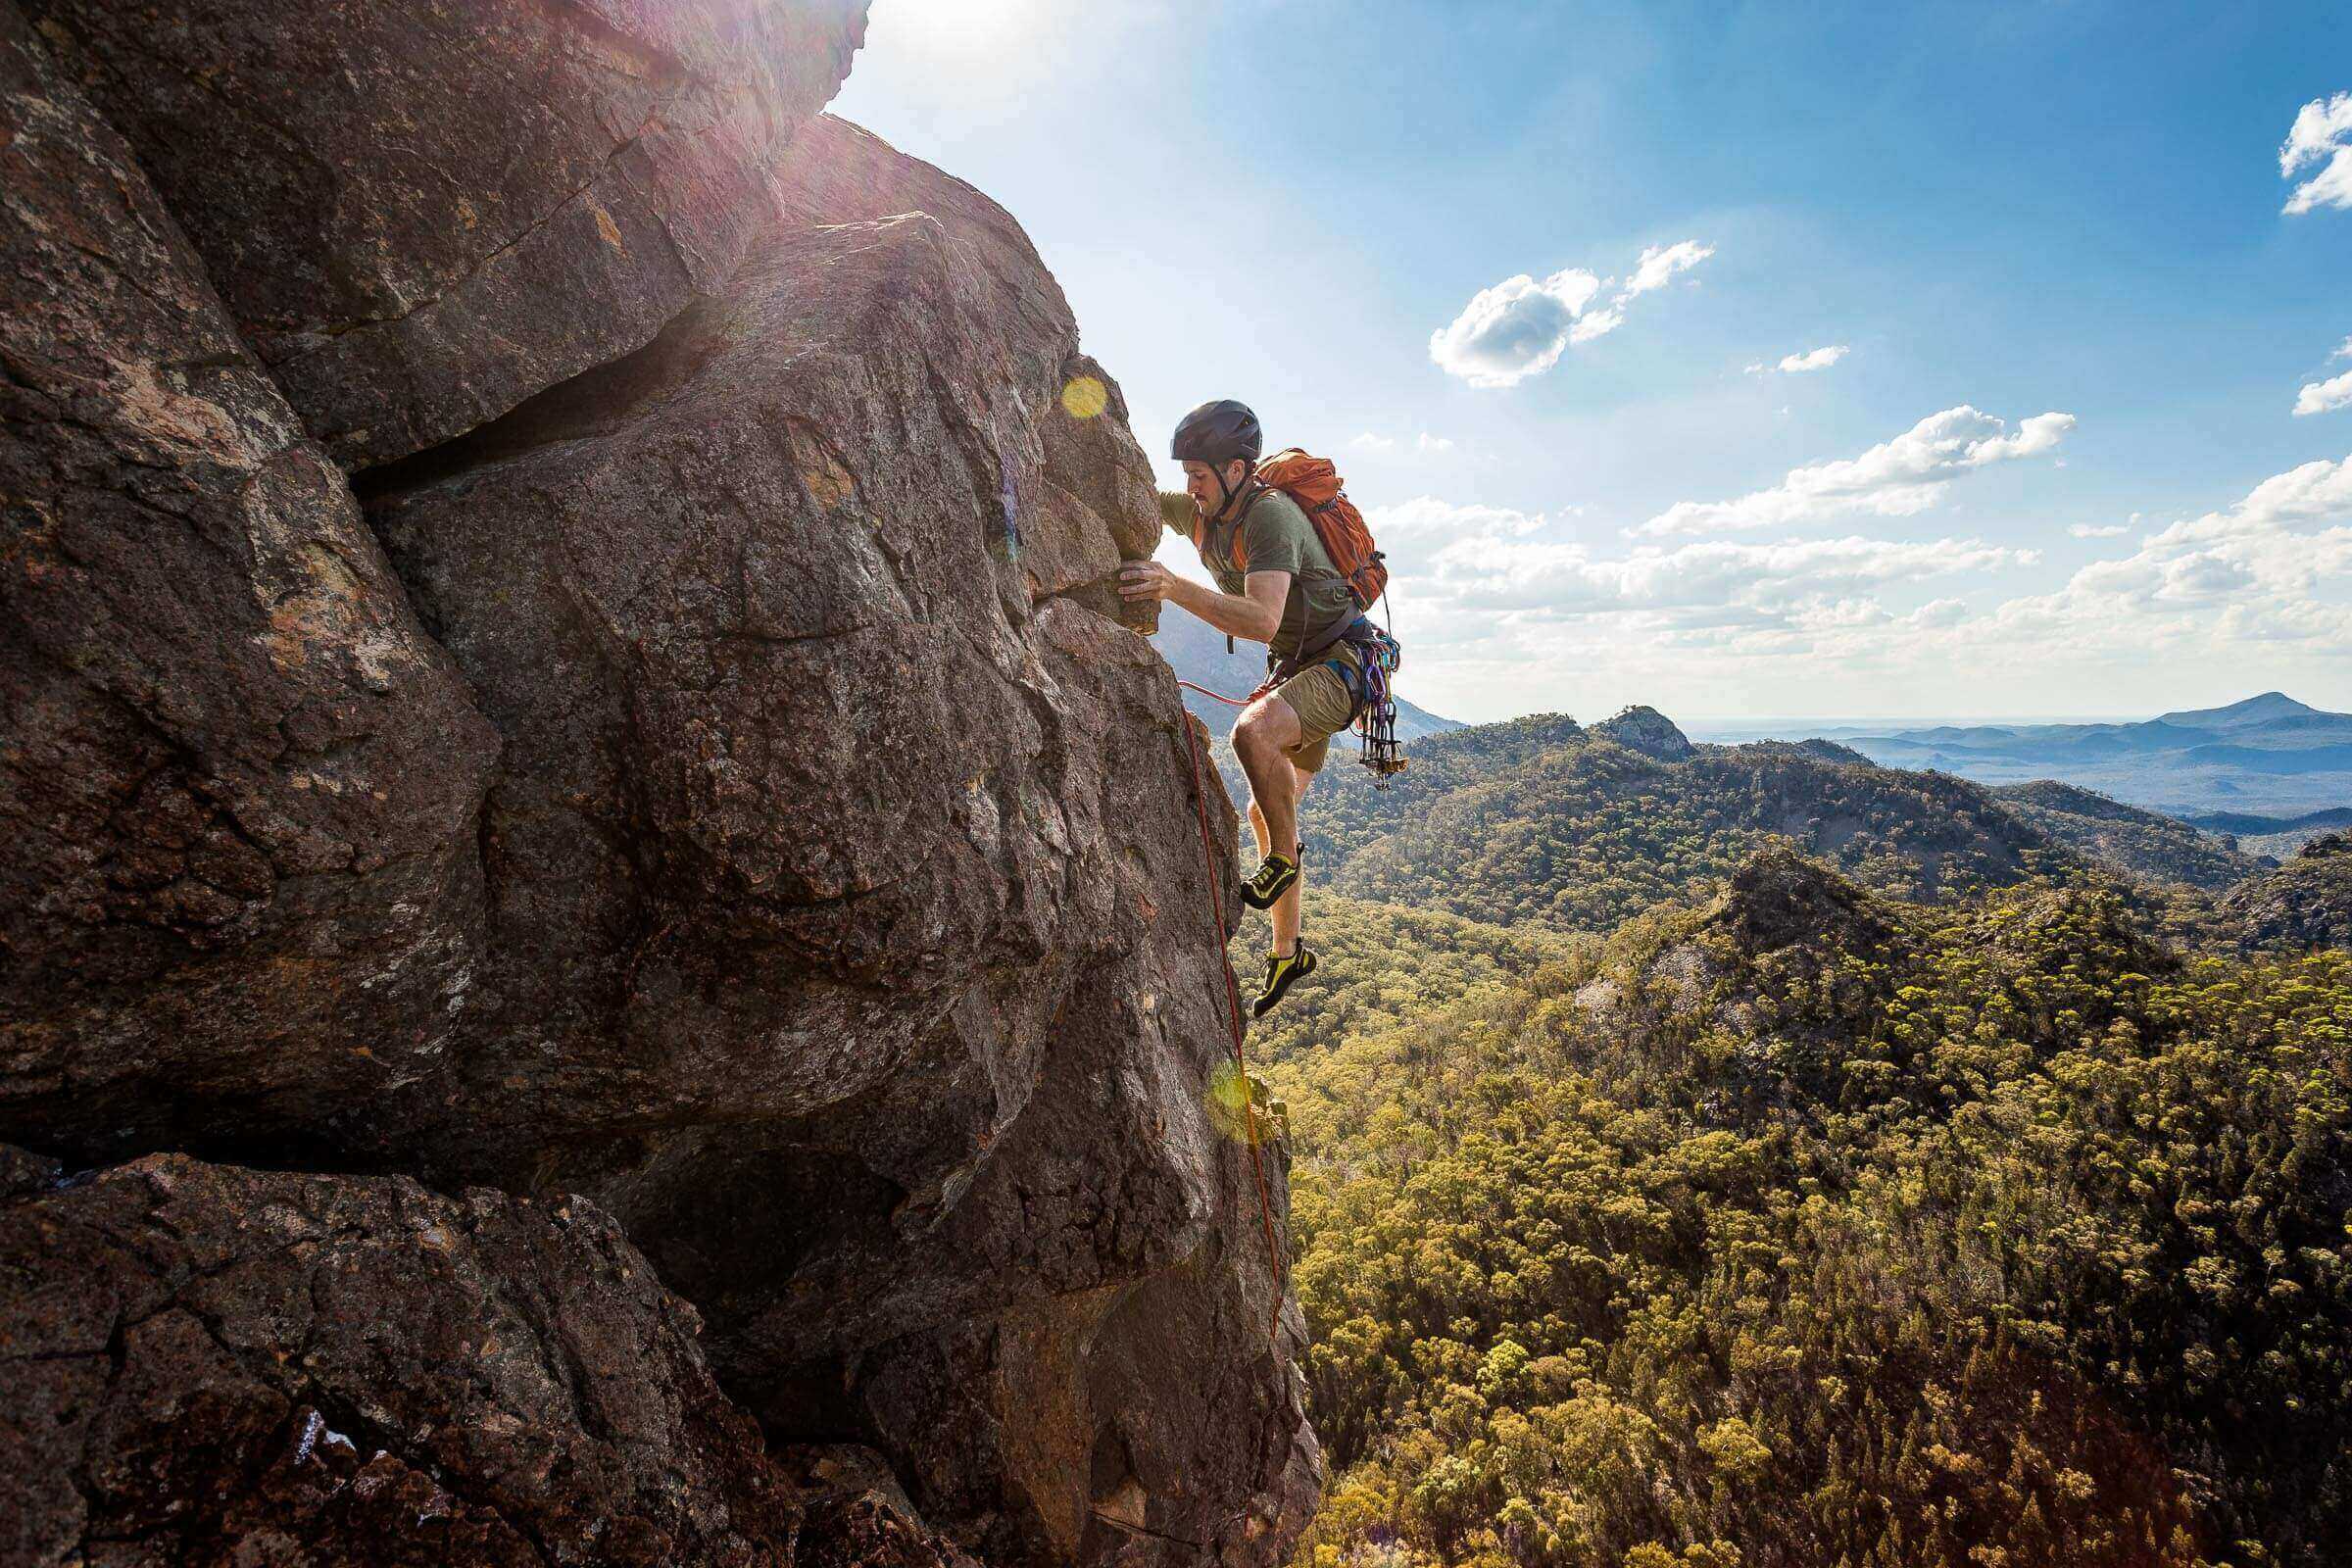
1324,706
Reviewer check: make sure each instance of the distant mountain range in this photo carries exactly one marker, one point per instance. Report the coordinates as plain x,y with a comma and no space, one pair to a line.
2269,754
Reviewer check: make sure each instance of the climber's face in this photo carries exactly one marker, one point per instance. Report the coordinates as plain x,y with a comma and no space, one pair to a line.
1201,484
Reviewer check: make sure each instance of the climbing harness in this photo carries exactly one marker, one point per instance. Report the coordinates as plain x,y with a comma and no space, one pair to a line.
1375,719
1233,1012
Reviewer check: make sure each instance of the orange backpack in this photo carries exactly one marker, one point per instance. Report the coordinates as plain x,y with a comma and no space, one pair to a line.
1315,485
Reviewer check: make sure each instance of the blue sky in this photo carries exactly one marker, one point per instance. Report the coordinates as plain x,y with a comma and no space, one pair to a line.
2056,468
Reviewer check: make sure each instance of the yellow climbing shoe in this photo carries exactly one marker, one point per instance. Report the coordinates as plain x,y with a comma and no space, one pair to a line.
1275,875
1281,970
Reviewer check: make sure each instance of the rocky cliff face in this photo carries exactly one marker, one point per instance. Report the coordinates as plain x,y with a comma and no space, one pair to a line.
703,774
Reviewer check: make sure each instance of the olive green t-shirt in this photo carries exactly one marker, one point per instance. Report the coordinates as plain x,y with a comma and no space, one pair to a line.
1277,537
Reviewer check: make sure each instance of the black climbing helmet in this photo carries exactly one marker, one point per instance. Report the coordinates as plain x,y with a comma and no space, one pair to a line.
1217,433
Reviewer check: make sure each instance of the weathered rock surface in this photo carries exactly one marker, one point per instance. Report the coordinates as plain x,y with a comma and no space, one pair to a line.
422,212
215,1365
239,782
1094,477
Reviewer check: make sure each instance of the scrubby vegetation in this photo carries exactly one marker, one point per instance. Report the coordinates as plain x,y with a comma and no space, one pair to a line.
2307,901
1798,1225
2144,844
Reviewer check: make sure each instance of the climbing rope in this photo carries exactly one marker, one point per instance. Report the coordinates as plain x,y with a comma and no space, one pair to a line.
1233,1010
1229,702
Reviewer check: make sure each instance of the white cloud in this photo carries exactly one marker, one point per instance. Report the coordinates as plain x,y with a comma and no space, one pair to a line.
1599,323
1938,613
1659,263
1515,329
2343,350
1432,443
2315,490
2322,139
1520,327
2325,397
1895,479
1711,577
2262,589
2221,587
1426,517
1368,442
1819,358
2112,530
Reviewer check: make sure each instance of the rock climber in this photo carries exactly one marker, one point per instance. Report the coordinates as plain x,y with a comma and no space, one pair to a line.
1275,585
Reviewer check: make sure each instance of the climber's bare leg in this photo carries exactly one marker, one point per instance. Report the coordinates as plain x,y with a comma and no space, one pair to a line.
1285,913
1262,738
1285,907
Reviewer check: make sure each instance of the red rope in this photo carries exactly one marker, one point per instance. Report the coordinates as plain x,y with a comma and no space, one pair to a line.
1229,702
1233,1009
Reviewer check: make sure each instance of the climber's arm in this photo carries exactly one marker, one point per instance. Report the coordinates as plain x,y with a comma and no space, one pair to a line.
1255,613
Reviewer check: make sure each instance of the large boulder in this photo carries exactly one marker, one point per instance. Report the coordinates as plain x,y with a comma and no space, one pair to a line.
850,933
423,213
1648,731
209,1364
238,781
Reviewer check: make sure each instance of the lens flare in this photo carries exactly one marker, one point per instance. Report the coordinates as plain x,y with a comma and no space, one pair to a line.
1085,398
1240,1108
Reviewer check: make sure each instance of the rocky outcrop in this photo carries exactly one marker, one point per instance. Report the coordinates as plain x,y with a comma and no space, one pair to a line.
1781,899
209,1364
2305,904
848,932
727,793
1648,731
421,215
239,781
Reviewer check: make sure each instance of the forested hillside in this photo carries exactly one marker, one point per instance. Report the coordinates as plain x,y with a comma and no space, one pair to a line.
1539,821
1798,1225
2143,844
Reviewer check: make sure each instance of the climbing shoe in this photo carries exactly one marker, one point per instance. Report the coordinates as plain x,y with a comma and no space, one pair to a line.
1281,970
1275,875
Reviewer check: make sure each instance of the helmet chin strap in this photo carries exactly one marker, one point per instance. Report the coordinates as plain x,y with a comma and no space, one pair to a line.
1225,506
